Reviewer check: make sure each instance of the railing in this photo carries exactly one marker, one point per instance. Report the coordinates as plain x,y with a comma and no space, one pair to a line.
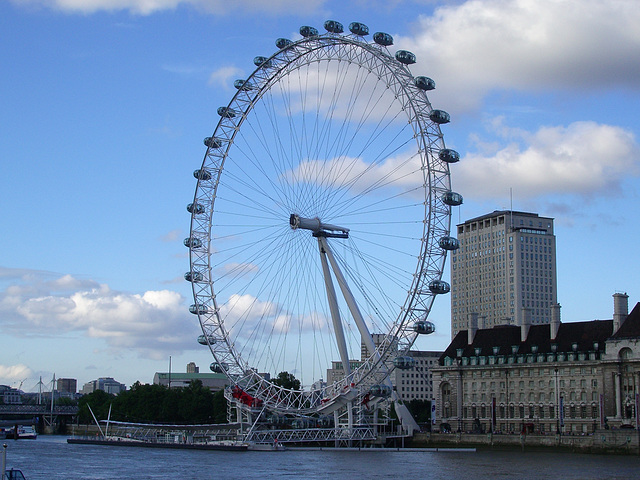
311,435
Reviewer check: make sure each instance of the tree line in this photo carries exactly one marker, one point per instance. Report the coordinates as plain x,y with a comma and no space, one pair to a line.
191,405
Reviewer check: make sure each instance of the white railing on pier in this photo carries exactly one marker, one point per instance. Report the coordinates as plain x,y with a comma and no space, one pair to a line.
311,435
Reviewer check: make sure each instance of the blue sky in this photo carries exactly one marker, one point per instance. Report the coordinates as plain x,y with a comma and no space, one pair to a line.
105,104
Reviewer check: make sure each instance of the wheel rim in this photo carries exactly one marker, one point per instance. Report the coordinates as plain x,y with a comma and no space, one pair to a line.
329,127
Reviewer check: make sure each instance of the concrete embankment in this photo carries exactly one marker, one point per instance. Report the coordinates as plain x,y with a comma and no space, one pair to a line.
621,442
624,442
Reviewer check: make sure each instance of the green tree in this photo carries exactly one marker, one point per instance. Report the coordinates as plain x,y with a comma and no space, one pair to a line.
219,407
420,409
194,404
66,401
287,380
99,401
141,403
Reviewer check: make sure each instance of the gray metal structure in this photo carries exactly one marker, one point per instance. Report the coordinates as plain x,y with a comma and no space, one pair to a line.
329,130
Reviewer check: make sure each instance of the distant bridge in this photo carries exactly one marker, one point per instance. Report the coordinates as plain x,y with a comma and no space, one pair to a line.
37,410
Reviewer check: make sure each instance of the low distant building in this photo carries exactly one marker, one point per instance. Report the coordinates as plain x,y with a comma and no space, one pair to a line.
213,381
337,372
317,392
10,396
416,383
106,384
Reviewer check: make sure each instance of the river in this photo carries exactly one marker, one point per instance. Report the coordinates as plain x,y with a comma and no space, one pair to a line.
50,457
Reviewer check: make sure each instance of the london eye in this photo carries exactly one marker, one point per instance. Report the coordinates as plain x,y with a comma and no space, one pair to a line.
320,226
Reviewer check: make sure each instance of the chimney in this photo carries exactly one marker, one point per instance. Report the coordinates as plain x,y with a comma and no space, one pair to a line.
620,310
473,327
526,324
555,321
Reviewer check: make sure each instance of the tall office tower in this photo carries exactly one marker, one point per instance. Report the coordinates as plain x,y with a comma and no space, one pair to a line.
192,368
67,385
504,271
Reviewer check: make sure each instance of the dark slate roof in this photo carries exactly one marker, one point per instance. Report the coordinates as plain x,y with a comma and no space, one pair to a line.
585,334
631,326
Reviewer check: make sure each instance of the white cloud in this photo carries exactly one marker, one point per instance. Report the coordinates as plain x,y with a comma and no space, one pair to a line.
225,76
400,171
481,45
147,7
152,323
341,90
584,158
172,236
10,374
244,316
238,270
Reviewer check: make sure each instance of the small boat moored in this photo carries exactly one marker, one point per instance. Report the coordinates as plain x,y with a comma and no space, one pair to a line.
25,432
12,473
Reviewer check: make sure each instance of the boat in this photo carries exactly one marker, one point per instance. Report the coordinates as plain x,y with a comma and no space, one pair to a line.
22,432
266,447
12,473
190,437
130,442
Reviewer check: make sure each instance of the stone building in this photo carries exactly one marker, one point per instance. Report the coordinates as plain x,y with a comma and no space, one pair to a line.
337,371
106,384
544,378
413,383
416,383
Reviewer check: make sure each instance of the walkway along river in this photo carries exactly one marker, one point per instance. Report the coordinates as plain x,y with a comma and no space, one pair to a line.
620,442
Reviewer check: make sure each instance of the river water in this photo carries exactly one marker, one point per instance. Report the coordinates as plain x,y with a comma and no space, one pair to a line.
52,458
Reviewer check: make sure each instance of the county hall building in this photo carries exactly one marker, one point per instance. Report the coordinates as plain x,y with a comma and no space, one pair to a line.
512,365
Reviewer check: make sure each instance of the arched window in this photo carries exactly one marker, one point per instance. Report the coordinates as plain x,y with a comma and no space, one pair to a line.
625,353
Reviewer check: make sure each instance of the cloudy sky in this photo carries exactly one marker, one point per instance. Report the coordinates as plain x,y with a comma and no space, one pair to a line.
105,104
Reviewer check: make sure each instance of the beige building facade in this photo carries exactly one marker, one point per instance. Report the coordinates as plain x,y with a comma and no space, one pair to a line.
568,378
506,262
416,383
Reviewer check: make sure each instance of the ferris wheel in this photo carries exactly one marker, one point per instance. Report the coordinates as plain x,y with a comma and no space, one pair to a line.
320,222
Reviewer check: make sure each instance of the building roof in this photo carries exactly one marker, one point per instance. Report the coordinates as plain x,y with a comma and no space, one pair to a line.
190,376
631,326
425,353
584,334
587,336
497,213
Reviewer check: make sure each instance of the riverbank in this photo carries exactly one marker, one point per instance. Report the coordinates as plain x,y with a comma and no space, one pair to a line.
619,442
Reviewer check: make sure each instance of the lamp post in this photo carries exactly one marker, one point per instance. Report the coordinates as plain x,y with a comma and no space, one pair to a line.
557,404
507,400
4,459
